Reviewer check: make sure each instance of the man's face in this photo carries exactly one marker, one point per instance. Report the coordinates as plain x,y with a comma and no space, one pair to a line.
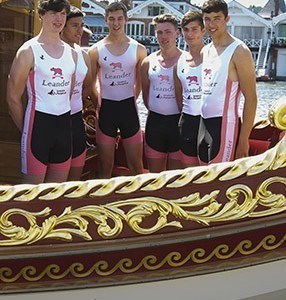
166,34
215,23
116,21
73,30
54,21
193,33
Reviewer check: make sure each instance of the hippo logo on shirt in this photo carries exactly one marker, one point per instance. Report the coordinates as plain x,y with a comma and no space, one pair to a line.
193,80
164,78
57,72
207,74
116,66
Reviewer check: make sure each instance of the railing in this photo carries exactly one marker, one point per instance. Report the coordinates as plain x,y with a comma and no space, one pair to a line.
258,56
253,43
266,54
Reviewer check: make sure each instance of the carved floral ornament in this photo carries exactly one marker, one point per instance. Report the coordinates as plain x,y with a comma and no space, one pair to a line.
194,208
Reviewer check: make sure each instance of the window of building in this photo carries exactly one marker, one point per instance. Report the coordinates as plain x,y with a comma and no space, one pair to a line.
248,32
155,10
151,30
282,30
135,28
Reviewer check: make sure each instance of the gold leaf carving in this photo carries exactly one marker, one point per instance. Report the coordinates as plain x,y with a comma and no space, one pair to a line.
112,217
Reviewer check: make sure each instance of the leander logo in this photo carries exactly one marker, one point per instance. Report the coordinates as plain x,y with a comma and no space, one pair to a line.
116,66
193,80
57,72
164,79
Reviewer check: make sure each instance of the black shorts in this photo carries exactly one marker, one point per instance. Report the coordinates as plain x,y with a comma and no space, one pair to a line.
51,137
162,132
189,128
209,139
122,115
78,135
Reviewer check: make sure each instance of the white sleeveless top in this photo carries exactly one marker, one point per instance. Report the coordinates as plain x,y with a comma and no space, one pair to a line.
162,98
220,96
49,84
191,80
117,73
80,73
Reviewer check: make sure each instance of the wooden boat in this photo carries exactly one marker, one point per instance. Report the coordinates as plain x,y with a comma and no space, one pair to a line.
176,226
130,237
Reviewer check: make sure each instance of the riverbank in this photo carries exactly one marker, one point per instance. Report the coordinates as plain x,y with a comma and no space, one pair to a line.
267,93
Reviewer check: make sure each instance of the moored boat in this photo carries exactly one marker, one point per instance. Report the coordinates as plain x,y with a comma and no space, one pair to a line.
217,220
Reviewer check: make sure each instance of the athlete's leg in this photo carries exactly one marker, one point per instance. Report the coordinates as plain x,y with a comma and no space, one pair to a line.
106,159
174,161
78,147
77,164
157,165
105,146
189,161
56,175
133,147
75,173
156,161
33,179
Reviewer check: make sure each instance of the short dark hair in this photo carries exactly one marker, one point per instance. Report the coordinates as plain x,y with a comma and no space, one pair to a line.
210,6
54,5
75,12
165,18
114,6
193,15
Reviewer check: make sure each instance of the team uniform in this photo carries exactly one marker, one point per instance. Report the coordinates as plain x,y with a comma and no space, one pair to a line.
117,103
78,129
162,131
46,137
191,80
219,125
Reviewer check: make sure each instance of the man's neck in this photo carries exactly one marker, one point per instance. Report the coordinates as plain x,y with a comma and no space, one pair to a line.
195,50
117,39
223,40
49,38
169,53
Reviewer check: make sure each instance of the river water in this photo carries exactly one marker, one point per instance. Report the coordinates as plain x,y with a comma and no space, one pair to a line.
267,93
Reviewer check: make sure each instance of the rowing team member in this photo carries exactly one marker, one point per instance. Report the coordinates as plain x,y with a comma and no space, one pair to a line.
55,75
200,90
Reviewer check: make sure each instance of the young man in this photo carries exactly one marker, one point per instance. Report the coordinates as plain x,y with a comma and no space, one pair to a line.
228,72
46,65
188,81
116,60
71,34
162,142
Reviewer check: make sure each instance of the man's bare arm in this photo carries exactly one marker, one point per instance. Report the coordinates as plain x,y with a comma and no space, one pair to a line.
19,72
93,54
86,87
141,54
246,76
145,81
178,89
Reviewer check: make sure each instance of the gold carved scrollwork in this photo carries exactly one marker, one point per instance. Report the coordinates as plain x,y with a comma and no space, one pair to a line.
242,203
150,262
277,114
